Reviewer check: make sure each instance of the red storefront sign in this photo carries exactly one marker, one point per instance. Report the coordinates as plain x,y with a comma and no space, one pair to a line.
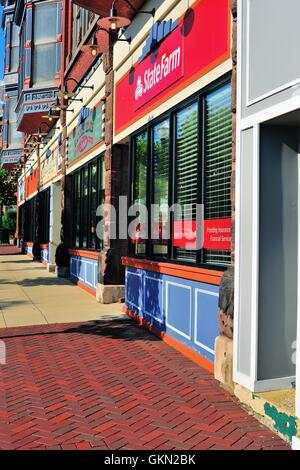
216,235
31,183
213,234
154,76
199,43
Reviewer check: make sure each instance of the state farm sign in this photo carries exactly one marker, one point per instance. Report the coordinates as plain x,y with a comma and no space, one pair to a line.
159,71
195,43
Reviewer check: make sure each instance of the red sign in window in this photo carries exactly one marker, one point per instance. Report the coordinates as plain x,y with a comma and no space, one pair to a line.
212,235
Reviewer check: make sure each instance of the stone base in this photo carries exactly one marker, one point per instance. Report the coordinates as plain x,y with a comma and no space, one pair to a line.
224,361
62,272
51,268
109,294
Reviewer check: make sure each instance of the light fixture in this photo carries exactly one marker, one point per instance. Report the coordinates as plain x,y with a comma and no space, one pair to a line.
57,106
65,94
60,107
40,134
114,22
49,127
90,87
94,48
51,116
68,96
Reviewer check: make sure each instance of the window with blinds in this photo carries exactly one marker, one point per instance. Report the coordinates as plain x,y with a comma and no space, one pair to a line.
218,163
186,151
88,185
140,180
161,143
191,165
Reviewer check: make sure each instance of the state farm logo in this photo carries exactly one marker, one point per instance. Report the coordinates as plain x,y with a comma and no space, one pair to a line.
139,88
167,67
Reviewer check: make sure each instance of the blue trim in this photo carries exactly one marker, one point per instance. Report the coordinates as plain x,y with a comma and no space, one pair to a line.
84,270
184,309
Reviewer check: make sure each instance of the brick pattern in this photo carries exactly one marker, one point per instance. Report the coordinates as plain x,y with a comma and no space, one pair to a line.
9,250
112,385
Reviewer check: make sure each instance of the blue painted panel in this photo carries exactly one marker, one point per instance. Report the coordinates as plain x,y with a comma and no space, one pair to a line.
74,267
134,291
45,256
84,270
206,326
81,269
184,309
179,308
154,296
89,273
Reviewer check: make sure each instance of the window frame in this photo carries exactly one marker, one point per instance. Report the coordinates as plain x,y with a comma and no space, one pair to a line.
14,48
85,219
198,97
40,5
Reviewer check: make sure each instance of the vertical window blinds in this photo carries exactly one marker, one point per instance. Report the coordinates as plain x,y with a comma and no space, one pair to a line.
217,163
187,168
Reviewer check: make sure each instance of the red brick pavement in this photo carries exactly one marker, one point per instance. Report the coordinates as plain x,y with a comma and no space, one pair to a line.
9,250
112,385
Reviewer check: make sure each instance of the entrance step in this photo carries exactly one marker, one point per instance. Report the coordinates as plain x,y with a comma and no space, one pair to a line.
275,410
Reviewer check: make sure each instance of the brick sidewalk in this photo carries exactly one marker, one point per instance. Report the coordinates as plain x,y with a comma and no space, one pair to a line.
9,250
112,385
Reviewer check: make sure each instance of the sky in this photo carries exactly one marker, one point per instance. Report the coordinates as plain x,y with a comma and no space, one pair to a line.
1,48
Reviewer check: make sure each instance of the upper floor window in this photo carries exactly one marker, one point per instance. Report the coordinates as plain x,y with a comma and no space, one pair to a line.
45,31
22,58
14,48
82,19
14,136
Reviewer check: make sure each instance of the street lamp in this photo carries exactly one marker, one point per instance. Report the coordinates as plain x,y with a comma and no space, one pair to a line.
114,21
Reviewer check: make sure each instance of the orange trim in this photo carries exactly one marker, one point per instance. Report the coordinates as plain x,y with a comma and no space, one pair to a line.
82,286
85,254
44,247
187,352
186,272
28,244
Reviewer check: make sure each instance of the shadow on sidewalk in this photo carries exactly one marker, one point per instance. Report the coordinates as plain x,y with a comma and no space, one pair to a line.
125,329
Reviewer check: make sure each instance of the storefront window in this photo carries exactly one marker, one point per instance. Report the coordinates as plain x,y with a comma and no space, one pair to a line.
30,215
88,185
217,165
193,167
44,216
161,142
38,213
140,182
186,155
